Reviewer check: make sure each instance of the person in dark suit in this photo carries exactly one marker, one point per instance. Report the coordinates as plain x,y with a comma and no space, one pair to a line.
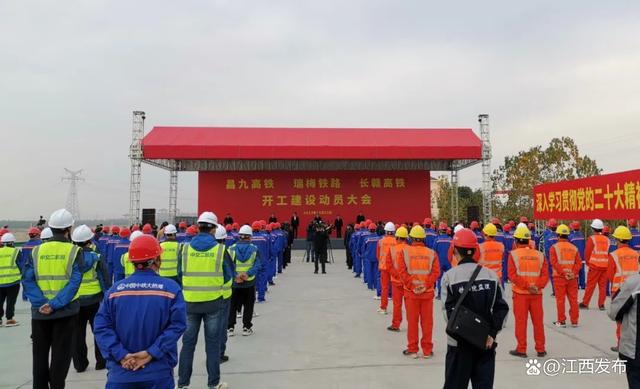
273,218
360,218
295,223
228,219
338,223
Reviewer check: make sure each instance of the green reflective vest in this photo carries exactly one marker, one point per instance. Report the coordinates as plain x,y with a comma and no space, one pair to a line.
9,271
90,285
202,276
243,267
227,286
169,259
127,265
53,264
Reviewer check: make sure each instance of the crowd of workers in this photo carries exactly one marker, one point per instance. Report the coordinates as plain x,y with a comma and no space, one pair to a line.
171,280
417,264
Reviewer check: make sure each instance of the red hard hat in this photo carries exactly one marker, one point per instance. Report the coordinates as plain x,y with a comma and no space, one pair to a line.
147,228
524,219
552,223
263,223
277,225
575,225
143,248
449,231
115,229
506,228
495,220
466,239
105,229
182,225
442,226
33,231
235,226
633,223
135,227
191,230
474,224
372,227
512,222
368,221
268,227
606,230
228,227
125,233
427,222
256,226
362,225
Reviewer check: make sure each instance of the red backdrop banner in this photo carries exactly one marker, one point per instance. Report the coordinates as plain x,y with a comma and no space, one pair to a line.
401,196
610,196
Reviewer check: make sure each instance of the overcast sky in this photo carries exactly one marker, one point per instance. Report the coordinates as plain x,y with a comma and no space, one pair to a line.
71,72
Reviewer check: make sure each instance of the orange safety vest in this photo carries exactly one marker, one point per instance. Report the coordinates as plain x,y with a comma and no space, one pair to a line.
528,263
384,245
626,260
566,253
600,254
491,254
419,262
393,251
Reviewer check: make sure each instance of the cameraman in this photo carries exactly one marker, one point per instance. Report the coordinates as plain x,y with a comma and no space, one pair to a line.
320,245
464,361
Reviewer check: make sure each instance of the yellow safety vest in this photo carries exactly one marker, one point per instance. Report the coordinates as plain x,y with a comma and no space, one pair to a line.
169,259
9,271
243,267
127,265
53,264
202,276
90,285
226,286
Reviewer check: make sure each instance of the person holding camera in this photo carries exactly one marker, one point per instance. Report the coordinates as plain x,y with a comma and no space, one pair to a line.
320,246
471,291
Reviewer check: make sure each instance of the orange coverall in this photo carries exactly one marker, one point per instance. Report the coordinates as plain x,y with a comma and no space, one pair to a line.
566,288
397,288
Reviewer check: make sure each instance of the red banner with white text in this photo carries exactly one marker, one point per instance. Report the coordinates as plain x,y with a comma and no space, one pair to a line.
400,196
610,196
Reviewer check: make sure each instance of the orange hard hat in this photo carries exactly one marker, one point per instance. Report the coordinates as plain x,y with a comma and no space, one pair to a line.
115,229
33,232
474,225
182,225
633,223
147,228
125,233
552,223
144,248
466,239
372,227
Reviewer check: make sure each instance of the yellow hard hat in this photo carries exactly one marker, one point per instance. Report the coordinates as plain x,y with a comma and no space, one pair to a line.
522,232
622,233
490,230
402,233
563,229
417,232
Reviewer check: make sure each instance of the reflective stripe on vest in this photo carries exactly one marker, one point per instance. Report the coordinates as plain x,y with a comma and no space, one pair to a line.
9,270
600,254
90,285
169,259
227,286
127,265
491,255
202,276
566,255
52,265
384,245
419,261
243,267
528,263
626,261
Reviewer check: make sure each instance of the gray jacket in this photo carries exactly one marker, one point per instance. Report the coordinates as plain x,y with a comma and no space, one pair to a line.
624,307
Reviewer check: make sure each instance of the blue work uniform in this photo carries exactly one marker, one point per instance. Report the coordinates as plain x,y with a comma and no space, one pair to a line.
353,242
577,239
25,256
441,247
261,241
431,236
549,238
371,261
634,243
509,243
144,312
361,241
117,252
479,236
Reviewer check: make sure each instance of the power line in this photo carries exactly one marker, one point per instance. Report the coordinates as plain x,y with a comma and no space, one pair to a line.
72,196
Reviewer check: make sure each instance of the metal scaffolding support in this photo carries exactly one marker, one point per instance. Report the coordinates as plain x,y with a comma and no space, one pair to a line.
135,155
487,187
72,196
173,195
454,196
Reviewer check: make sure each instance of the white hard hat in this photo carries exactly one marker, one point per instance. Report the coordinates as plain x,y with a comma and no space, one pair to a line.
221,233
135,234
246,230
46,233
458,228
597,224
8,238
521,225
208,217
170,229
81,234
390,227
61,219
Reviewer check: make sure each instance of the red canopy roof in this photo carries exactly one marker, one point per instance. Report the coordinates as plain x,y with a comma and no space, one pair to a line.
250,143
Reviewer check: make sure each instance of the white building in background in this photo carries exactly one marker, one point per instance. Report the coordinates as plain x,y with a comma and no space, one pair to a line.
435,186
